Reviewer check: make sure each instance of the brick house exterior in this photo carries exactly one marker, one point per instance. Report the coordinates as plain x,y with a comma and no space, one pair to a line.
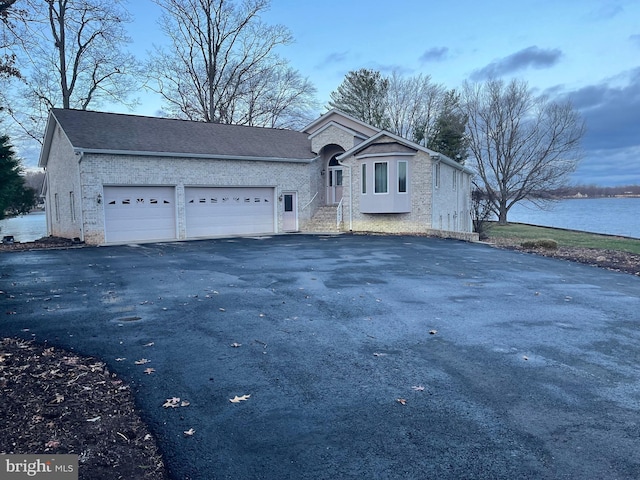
113,178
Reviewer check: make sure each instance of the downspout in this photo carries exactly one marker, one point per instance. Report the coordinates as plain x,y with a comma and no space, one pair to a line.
80,200
436,160
350,195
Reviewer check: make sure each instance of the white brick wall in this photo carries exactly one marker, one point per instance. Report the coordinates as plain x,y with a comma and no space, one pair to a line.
451,202
332,135
63,207
98,170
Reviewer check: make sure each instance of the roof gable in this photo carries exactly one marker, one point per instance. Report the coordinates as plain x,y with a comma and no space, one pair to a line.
112,132
339,126
377,148
399,141
336,116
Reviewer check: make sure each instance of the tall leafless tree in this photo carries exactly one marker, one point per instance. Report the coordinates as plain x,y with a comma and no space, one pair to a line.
7,39
71,56
522,144
221,65
413,106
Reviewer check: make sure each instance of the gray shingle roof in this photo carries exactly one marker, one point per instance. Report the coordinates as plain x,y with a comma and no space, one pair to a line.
89,130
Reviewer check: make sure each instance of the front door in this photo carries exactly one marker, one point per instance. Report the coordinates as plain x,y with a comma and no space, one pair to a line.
334,187
290,213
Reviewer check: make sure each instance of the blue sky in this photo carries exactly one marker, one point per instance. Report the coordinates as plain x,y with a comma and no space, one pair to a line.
587,51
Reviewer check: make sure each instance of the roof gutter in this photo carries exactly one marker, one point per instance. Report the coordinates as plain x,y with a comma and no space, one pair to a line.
81,151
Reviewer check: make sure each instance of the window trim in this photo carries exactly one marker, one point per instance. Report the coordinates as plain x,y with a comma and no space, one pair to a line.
72,207
375,177
436,175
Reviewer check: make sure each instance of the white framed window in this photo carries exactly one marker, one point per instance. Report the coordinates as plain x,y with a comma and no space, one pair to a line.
363,179
402,176
381,177
72,205
455,179
436,175
56,202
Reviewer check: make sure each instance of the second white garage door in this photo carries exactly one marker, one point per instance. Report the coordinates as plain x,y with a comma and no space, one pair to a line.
212,211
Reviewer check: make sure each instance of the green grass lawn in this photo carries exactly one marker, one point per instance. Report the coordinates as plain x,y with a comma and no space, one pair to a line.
565,238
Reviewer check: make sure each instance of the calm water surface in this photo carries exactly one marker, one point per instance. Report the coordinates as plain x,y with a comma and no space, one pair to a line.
26,228
615,216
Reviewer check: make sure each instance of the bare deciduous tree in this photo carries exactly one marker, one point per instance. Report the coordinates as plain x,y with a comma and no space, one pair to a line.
413,105
7,39
71,57
221,65
522,144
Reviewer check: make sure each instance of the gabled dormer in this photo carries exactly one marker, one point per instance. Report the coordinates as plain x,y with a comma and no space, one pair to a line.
338,128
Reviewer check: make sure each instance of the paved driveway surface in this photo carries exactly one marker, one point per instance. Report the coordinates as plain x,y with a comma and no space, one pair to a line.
533,371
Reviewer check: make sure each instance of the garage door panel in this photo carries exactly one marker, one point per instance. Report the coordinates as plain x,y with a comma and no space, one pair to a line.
139,213
213,211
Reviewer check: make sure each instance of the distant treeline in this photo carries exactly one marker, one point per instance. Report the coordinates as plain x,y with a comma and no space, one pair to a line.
591,191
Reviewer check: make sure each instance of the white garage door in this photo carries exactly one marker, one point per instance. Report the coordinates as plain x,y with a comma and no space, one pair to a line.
135,213
228,211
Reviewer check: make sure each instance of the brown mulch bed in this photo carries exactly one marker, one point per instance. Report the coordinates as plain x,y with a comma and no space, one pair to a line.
40,244
55,402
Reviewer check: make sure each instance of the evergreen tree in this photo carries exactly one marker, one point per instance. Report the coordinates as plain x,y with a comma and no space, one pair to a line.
363,95
449,137
11,182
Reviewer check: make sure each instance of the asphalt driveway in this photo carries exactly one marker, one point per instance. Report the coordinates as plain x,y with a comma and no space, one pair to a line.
529,365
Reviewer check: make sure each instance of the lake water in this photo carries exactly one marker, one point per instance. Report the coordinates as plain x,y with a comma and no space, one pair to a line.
615,216
26,228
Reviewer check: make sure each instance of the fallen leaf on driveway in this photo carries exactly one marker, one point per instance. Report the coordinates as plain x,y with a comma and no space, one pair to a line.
120,359
184,403
222,309
172,403
52,444
401,401
433,332
149,371
376,354
524,357
150,344
418,388
236,345
189,432
238,399
142,361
